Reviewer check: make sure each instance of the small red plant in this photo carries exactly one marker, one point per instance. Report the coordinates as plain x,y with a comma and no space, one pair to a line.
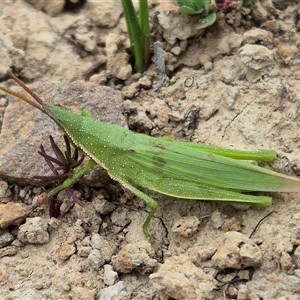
227,4
65,162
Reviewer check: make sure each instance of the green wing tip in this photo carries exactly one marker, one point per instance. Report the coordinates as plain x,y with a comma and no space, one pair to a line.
263,201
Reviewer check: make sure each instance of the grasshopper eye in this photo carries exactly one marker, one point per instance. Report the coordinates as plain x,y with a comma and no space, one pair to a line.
60,122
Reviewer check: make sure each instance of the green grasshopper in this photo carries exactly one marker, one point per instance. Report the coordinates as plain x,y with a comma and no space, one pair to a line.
181,170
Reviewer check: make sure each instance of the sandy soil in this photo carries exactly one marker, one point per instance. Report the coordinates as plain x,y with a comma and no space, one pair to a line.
234,84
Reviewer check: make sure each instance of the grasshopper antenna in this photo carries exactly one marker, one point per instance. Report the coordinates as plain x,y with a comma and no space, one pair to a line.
27,89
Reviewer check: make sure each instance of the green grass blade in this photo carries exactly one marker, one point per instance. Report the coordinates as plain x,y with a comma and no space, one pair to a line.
145,28
135,33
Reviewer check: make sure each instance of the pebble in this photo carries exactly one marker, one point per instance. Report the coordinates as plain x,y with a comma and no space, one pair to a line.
13,213
66,251
103,206
258,35
95,259
116,291
8,251
179,278
109,276
186,227
237,251
5,239
34,231
256,57
285,261
117,58
204,58
5,192
138,256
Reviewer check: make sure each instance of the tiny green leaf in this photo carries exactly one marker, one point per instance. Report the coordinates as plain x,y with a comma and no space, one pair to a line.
192,7
207,21
190,11
246,3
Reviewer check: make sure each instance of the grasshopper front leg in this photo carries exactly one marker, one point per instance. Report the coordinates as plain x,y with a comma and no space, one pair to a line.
72,179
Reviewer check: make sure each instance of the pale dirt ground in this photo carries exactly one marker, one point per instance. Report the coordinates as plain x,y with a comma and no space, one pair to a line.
234,85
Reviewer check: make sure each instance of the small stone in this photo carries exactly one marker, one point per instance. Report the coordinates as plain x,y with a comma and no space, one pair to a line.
105,13
256,56
130,90
237,251
207,252
217,219
244,274
259,14
232,224
5,239
129,107
95,259
179,278
106,248
232,292
99,79
103,206
84,251
52,8
66,251
89,217
110,276
54,223
258,35
176,50
97,241
75,233
172,26
145,82
293,283
203,59
117,58
13,213
250,255
243,293
116,291
140,121
284,245
286,52
34,231
186,227
137,257
208,66
273,26
285,261
8,251
5,193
